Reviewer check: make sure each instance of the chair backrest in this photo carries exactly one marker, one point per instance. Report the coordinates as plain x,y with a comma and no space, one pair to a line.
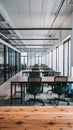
56,73
34,74
60,84
34,85
49,73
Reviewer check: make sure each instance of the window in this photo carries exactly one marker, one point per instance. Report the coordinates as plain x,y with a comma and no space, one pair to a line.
24,61
67,57
57,58
61,58
38,58
54,59
49,59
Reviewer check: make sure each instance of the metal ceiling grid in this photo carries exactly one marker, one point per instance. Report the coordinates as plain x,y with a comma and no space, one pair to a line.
35,13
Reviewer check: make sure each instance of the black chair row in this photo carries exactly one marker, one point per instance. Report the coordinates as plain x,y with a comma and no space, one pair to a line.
45,67
35,87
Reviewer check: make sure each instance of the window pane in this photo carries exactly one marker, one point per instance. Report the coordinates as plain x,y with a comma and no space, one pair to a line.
66,58
57,56
69,58
50,59
61,59
54,59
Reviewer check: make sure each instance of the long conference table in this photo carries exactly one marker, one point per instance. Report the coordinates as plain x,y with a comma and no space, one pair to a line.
22,81
36,118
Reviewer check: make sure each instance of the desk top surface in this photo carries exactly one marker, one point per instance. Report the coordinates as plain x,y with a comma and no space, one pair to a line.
36,118
44,79
40,70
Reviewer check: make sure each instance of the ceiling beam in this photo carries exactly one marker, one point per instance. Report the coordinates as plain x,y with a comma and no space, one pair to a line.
34,45
35,28
31,48
34,39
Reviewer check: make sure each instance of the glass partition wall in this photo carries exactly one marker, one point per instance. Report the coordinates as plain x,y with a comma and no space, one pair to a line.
1,63
9,62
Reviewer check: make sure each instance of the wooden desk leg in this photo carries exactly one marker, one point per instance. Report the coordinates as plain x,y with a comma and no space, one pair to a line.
11,93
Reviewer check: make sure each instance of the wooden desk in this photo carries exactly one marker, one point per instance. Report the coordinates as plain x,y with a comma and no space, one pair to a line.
24,80
21,81
27,71
36,118
50,79
45,79
40,71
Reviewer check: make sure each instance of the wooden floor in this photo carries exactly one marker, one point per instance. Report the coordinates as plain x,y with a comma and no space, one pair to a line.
36,118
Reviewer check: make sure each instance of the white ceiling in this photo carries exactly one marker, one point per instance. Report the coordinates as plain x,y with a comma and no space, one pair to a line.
33,14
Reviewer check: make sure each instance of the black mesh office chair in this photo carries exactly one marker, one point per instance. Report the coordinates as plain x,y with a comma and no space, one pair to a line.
34,87
34,74
60,87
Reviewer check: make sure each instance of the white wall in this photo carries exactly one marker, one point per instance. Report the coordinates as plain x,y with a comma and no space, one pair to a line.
49,59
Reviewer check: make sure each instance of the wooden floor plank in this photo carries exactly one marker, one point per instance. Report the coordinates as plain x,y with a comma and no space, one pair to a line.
36,118
36,108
